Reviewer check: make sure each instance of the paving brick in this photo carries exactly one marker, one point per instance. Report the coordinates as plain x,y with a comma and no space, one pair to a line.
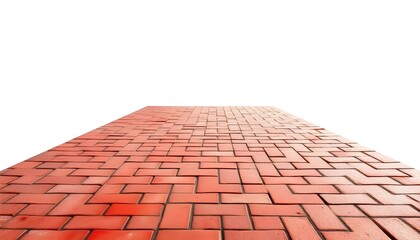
362,229
115,198
121,235
300,228
323,217
245,198
255,235
134,209
36,222
176,216
250,176
390,210
211,185
275,210
37,198
220,209
75,204
209,173
188,234
134,188
36,209
282,195
8,234
206,222
229,176
267,223
236,222
96,222
143,222
313,189
397,228
74,189
51,234
348,199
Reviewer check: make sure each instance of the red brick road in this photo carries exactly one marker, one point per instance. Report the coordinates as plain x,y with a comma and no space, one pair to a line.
209,173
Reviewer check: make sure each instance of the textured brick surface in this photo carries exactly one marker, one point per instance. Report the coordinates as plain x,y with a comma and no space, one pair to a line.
209,173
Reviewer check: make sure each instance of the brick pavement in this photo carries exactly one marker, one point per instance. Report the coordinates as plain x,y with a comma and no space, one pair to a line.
209,173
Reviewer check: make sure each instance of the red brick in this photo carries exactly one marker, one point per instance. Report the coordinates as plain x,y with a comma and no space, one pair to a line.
163,159
245,198
200,159
27,172
15,188
183,189
299,172
257,167
255,189
397,228
37,198
218,165
7,234
235,159
11,209
346,211
413,222
188,234
390,210
220,209
313,189
154,198
93,172
206,222
7,179
96,222
229,176
267,169
51,234
328,180
147,189
194,198
267,223
275,210
27,179
36,222
250,176
300,228
134,209
236,222
114,162
173,180
282,195
96,180
157,172
74,189
323,217
74,204
255,235
115,198
348,199
121,235
211,185
313,162
36,209
143,222
283,180
176,216
361,228
197,172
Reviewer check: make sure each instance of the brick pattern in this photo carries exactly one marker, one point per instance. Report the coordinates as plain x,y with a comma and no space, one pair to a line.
209,173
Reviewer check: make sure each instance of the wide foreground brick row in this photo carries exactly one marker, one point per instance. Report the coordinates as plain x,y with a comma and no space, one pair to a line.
209,173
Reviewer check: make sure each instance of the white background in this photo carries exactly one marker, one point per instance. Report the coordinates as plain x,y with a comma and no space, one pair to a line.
67,67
